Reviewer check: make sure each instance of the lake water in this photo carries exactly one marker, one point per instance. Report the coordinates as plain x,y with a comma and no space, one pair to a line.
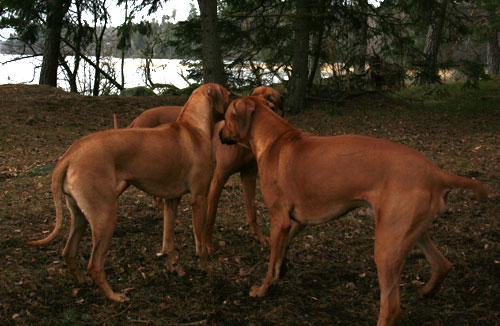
27,71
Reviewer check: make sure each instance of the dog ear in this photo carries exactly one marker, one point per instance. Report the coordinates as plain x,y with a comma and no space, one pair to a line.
217,95
244,111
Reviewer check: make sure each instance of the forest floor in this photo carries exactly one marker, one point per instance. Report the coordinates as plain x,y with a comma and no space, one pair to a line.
331,275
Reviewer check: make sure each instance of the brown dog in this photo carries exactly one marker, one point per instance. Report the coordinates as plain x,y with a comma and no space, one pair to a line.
166,162
152,118
232,159
308,180
156,116
229,160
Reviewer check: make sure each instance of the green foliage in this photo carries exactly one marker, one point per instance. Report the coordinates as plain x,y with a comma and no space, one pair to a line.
174,91
473,72
137,91
330,109
37,171
69,316
26,17
452,97
257,37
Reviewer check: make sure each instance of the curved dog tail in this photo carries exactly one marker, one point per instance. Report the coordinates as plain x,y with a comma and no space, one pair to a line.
454,181
57,186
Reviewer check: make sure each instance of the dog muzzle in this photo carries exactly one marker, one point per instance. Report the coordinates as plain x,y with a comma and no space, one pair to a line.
225,140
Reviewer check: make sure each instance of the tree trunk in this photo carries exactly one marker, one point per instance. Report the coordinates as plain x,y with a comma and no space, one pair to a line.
298,82
429,73
122,65
90,62
213,68
73,74
98,49
318,44
56,10
493,56
360,39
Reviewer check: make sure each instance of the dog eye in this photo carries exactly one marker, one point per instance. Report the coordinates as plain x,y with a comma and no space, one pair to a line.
270,99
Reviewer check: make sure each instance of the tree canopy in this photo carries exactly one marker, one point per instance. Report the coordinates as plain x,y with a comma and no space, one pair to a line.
307,46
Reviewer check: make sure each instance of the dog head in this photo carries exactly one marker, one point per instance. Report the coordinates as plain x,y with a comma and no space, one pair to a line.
238,120
272,96
219,97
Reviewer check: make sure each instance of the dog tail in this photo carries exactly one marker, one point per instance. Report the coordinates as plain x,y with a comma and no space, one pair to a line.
57,186
455,181
115,121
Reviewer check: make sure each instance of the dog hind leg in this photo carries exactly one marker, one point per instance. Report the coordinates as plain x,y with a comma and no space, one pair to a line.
77,229
101,214
440,266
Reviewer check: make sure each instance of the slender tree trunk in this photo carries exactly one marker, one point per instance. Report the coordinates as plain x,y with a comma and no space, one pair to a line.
360,38
317,44
429,72
97,73
298,82
493,56
98,49
73,74
213,68
124,49
92,63
56,10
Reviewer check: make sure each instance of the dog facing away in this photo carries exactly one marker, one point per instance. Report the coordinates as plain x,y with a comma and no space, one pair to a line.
167,162
308,180
228,161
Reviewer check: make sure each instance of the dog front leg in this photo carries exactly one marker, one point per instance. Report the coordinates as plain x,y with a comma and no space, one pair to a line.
168,248
199,203
279,240
219,179
248,181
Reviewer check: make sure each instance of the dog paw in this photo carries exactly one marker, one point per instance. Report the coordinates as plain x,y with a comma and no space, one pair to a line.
210,249
82,279
118,297
426,292
257,291
264,240
180,271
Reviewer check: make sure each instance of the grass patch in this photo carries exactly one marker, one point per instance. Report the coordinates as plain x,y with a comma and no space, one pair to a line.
451,97
40,170
330,109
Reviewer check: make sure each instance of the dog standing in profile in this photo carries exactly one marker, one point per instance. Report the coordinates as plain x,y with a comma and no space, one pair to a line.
167,162
309,180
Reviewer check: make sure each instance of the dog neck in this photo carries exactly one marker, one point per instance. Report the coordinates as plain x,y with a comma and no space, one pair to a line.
198,113
266,129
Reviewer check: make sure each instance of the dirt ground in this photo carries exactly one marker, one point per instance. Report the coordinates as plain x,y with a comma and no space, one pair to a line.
331,275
